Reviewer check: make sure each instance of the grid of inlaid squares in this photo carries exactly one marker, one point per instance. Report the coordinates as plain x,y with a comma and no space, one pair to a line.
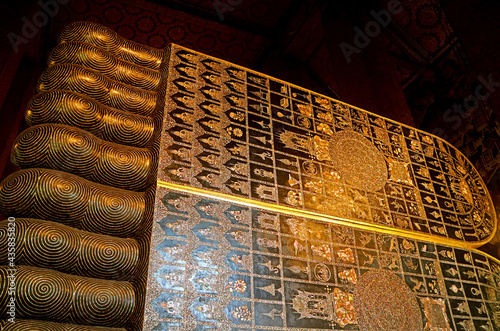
224,132
221,265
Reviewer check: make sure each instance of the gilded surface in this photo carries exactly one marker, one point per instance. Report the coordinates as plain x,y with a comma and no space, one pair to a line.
89,163
71,200
59,297
384,301
241,133
232,135
78,110
221,265
81,153
52,245
110,41
104,62
86,81
32,325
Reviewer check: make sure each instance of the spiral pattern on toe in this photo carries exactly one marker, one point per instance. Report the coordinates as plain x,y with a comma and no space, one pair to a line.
44,293
93,143
73,150
55,296
57,196
57,147
108,257
16,191
66,107
82,80
45,244
120,210
104,62
109,40
126,97
71,108
69,199
28,143
102,302
32,325
52,245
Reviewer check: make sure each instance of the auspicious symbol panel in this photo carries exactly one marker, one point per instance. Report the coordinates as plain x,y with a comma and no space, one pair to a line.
220,265
241,133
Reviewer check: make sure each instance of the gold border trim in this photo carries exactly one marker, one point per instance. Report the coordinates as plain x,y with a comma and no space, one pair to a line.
317,216
328,218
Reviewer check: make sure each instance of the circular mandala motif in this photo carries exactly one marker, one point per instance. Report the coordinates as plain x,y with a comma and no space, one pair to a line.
359,162
303,122
322,272
383,301
309,168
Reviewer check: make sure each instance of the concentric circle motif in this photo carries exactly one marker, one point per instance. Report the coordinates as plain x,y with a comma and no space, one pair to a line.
359,162
322,272
383,301
309,168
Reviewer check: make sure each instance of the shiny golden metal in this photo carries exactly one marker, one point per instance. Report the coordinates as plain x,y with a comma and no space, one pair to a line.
104,62
109,40
55,296
76,151
81,111
52,245
99,128
33,325
111,93
71,200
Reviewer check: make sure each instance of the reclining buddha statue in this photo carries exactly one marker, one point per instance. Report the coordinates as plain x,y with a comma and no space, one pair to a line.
165,189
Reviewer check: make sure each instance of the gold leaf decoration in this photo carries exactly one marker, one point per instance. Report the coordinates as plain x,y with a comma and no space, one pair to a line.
109,40
79,79
32,325
74,201
76,151
55,296
78,110
104,62
51,245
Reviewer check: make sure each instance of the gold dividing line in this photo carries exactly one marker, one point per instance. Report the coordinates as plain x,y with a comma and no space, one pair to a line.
328,218
316,216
